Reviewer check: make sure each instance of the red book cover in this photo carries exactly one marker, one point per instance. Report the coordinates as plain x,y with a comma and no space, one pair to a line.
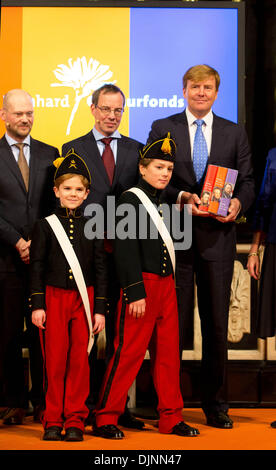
217,190
208,187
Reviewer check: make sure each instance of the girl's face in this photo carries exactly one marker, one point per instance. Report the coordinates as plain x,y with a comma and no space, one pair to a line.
158,173
71,192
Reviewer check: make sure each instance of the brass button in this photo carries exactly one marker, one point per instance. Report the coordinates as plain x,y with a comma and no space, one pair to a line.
70,220
71,238
71,226
70,270
71,231
165,251
164,264
163,271
70,277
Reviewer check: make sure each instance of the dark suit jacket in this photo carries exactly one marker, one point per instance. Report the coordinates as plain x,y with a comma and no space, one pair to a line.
229,148
126,170
18,209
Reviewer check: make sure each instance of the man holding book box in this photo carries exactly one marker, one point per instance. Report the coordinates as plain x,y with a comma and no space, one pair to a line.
204,140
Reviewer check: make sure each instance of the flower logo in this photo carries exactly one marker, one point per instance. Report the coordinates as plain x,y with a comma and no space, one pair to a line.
84,76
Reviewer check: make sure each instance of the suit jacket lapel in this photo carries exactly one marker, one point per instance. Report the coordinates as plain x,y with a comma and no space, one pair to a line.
183,138
8,157
33,165
217,144
122,150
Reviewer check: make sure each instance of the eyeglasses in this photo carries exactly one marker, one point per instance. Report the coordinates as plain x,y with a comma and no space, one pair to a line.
106,110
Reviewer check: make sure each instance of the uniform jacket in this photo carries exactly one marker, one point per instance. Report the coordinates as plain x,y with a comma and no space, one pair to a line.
134,255
48,265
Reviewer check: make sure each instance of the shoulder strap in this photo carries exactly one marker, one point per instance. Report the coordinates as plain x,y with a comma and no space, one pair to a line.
161,227
73,261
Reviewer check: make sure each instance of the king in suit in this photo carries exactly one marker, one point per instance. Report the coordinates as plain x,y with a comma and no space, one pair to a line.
211,257
112,159
25,195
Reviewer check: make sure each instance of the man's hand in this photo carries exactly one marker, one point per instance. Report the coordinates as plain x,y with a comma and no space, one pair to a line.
233,211
194,201
23,249
137,308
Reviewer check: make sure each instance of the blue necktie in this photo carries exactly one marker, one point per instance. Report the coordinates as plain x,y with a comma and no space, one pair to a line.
200,152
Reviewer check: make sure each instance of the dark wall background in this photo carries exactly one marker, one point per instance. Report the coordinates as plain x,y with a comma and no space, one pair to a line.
260,82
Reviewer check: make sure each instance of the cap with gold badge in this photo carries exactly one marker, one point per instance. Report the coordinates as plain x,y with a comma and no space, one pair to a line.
72,163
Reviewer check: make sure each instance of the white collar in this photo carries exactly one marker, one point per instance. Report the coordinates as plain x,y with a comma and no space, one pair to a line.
208,118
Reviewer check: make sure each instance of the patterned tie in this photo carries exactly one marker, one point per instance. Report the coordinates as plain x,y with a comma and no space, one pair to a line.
108,158
200,152
23,165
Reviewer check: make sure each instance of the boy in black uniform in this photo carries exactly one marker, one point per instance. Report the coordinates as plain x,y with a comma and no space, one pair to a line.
57,303
147,312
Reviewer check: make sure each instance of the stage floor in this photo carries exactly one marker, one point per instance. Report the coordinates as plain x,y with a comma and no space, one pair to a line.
251,431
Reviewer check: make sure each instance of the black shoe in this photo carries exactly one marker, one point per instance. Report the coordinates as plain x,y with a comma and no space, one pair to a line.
219,420
183,429
73,434
14,416
53,433
273,424
129,421
109,431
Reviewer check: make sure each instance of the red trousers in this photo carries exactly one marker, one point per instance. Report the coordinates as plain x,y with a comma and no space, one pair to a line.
64,345
157,331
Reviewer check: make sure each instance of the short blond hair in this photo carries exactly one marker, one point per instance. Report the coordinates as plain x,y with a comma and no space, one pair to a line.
198,73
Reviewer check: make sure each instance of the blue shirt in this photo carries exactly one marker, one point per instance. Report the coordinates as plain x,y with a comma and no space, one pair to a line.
113,144
265,215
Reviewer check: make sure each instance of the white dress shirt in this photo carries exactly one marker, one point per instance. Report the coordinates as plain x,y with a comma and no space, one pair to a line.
206,129
15,150
113,144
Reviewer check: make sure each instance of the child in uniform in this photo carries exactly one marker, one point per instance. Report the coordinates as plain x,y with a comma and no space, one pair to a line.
147,316
57,306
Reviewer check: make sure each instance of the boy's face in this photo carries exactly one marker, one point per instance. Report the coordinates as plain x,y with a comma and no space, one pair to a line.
158,173
71,192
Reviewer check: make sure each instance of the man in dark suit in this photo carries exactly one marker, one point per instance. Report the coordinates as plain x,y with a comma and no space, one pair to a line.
112,173
25,195
211,257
